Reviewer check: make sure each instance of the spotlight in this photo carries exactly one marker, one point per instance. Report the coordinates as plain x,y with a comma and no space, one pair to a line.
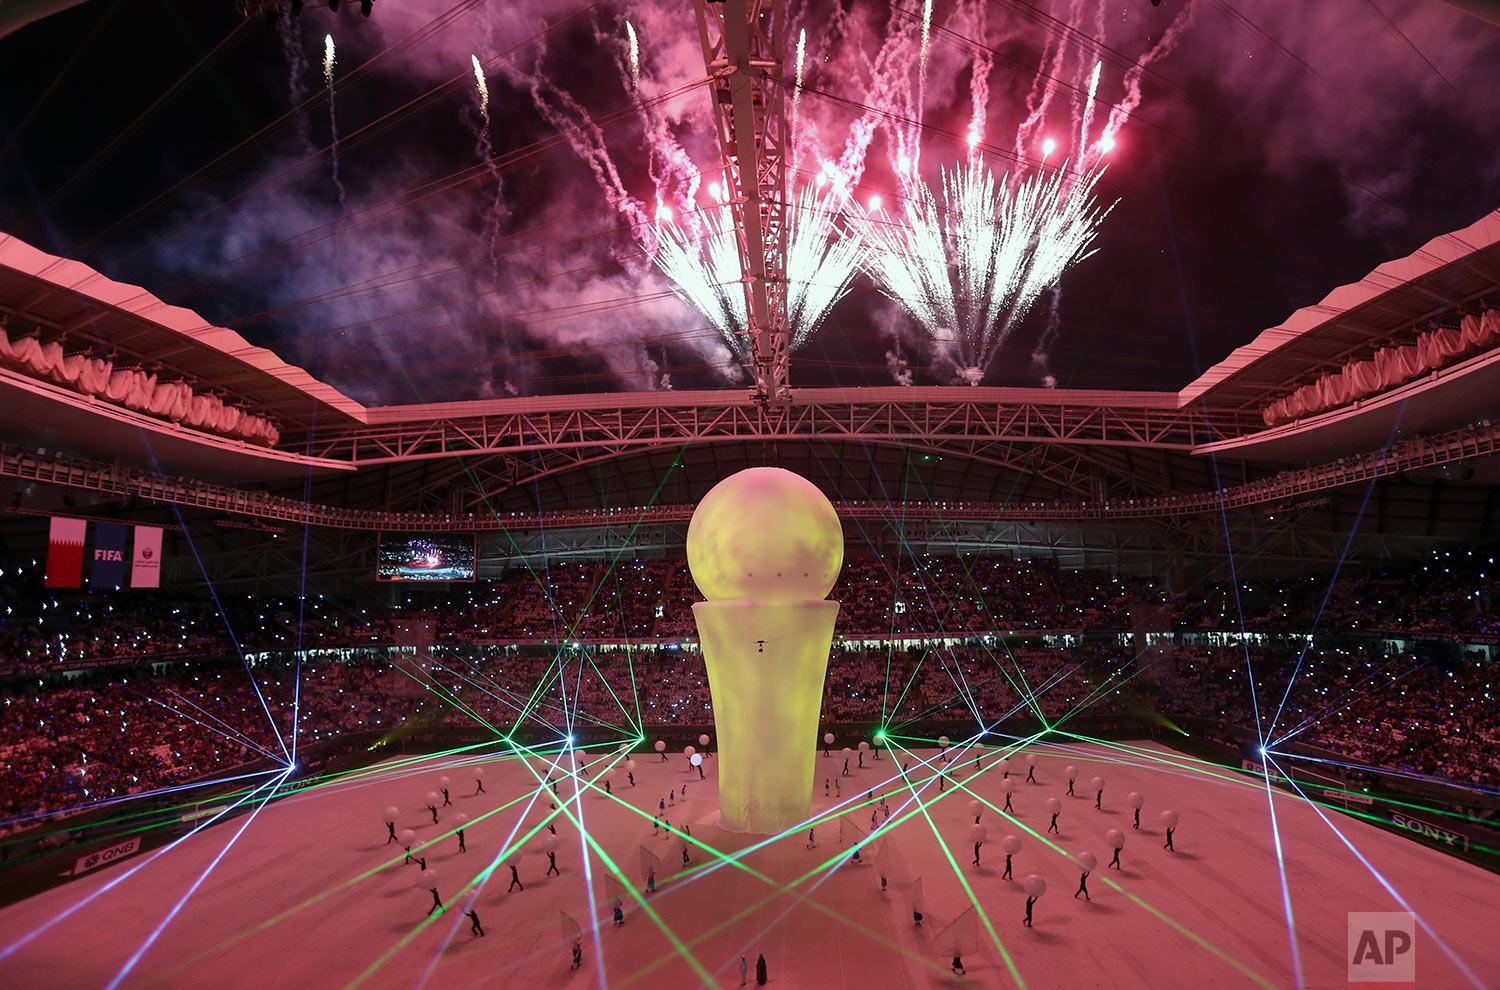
880,736
1263,751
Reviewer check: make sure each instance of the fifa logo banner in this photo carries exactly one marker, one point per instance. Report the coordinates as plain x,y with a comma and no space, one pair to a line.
145,567
65,552
109,555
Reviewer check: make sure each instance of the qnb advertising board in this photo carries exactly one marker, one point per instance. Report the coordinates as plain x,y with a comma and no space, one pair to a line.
425,557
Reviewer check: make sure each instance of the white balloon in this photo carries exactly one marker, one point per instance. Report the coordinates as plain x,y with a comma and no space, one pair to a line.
432,797
551,842
408,837
688,751
1072,773
696,759
1031,759
828,739
977,832
1098,783
1054,806
629,764
703,739
660,746
864,747
625,748
1004,765
391,813
848,750
477,772
1011,844
444,781
943,741
1169,819
1034,886
1115,838
461,818
1135,799
976,809
427,878
1009,783
1087,861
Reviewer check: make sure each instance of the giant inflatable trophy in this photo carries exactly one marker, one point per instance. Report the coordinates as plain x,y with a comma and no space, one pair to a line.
764,548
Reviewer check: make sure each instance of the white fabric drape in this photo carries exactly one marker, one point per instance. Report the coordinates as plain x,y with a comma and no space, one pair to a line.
1389,367
135,389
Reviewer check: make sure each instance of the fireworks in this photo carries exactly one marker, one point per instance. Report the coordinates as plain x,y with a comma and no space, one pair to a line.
701,257
333,120
797,88
969,269
635,58
484,88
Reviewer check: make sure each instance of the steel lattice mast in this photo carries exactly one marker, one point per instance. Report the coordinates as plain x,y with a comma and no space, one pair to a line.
742,52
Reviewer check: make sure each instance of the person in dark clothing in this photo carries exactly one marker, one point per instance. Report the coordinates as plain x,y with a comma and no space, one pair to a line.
760,970
391,828
861,761
1070,787
437,902
619,912
433,808
976,853
475,928
1031,775
664,756
1007,802
607,788
916,919
1006,875
577,953
1116,861
515,880
958,965
421,863
846,769
1029,901
700,772
685,856
552,865
446,799
552,828
1168,844
1053,826
461,847
1083,887
1137,818
631,775
479,788
1099,800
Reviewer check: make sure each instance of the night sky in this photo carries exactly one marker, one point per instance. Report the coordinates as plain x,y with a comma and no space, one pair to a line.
1279,149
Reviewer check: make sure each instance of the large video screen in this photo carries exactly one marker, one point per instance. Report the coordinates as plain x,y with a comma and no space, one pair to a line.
425,557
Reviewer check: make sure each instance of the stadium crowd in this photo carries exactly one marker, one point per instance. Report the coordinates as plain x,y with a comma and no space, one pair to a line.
950,642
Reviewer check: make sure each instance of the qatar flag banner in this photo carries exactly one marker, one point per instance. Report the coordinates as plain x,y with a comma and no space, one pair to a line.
109,555
145,568
65,552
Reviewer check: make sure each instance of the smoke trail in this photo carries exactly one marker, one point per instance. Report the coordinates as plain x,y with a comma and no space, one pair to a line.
635,58
1122,110
922,70
296,66
333,121
797,94
485,149
1041,357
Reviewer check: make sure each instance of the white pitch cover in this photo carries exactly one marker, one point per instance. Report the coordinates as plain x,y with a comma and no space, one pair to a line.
145,568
